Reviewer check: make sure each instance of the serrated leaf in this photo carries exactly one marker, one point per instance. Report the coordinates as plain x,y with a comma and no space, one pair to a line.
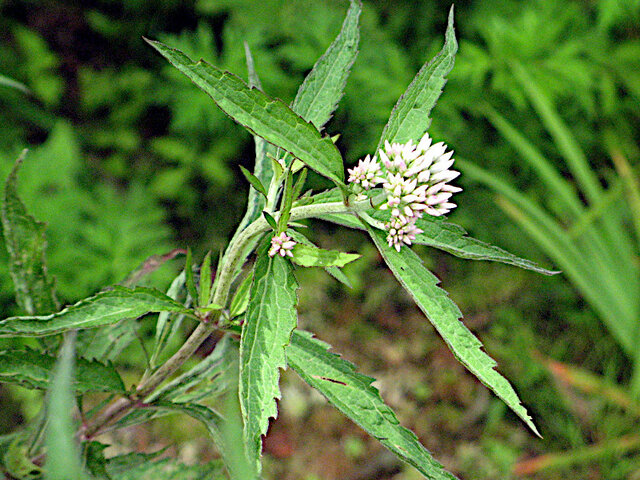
105,308
271,317
310,256
445,316
34,369
268,118
409,118
63,457
25,240
254,181
352,394
322,89
262,168
437,233
453,239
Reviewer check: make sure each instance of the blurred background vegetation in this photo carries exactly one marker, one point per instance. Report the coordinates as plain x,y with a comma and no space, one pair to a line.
128,159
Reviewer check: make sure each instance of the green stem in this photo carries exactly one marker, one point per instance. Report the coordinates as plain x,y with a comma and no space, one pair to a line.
228,265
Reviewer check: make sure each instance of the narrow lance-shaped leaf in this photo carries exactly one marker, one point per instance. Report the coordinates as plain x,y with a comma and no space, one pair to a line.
63,458
335,272
271,317
26,243
166,321
266,117
105,308
322,89
445,316
311,256
437,233
34,369
262,168
410,116
352,394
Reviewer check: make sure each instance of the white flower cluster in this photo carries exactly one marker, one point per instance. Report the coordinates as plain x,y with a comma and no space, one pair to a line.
415,179
281,245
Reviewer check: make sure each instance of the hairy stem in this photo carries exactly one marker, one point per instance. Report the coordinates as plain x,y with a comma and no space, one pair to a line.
233,255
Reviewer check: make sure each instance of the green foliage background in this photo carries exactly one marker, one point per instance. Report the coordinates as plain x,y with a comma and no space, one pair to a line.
129,159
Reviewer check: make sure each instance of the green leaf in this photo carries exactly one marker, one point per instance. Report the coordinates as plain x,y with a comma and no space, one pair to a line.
266,117
121,464
167,322
211,377
352,394
310,256
172,469
14,456
26,243
34,369
335,272
241,298
445,316
254,181
270,220
63,458
286,202
205,281
215,424
106,343
270,319
191,283
453,239
105,308
95,460
409,118
322,89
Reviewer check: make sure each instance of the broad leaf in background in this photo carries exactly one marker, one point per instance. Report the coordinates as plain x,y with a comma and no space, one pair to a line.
271,317
266,117
63,458
34,369
410,119
26,243
105,308
445,316
352,394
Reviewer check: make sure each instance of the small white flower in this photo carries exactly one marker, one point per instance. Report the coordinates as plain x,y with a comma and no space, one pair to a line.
281,245
402,231
415,179
365,173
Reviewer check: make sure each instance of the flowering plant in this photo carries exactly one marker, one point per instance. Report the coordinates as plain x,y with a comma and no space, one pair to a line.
397,196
